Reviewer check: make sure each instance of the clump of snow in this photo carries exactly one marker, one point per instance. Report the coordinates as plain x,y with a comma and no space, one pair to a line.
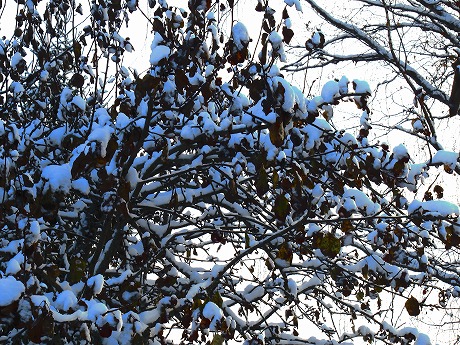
57,177
277,43
312,105
289,94
102,117
364,120
16,88
252,292
33,234
101,135
422,339
364,330
44,75
330,91
361,86
14,265
65,300
123,121
82,185
348,139
157,39
361,201
343,85
39,300
212,312
189,132
317,191
316,38
417,172
95,309
119,280
159,53
97,283
297,4
400,152
292,285
446,157
434,207
240,35
57,135
79,102
300,99
132,176
208,71
10,290
15,60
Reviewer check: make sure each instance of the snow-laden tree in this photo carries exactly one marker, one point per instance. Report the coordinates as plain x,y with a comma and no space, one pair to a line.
206,200
415,46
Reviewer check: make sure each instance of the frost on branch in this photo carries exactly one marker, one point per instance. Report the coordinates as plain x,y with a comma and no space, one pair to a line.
205,200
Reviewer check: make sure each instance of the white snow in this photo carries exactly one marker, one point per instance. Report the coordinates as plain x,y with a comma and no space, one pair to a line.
39,300
364,330
362,201
122,121
343,85
400,152
33,234
102,117
361,86
159,53
252,292
78,314
97,283
57,135
316,38
240,35
422,339
300,99
289,94
297,4
57,177
95,309
416,172
212,312
65,300
317,191
101,135
14,265
79,102
44,75
16,88
82,185
189,133
120,279
15,60
12,247
434,207
10,290
132,176
446,157
364,120
349,205
330,90
312,105
277,43
292,285
208,71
